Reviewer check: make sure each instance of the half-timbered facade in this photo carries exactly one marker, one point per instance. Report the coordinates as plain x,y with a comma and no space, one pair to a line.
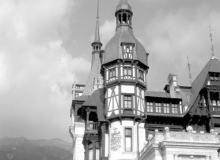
122,119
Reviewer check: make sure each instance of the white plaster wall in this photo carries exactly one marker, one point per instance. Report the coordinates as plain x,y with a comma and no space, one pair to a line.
142,136
117,141
79,148
127,89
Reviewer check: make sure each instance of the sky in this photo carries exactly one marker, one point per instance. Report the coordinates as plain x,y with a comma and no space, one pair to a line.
45,47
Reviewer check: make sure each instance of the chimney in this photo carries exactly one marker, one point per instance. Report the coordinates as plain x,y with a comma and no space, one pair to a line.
173,85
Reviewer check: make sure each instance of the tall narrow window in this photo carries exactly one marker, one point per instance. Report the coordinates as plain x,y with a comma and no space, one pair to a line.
150,107
127,71
112,74
127,101
215,98
127,50
175,108
128,139
158,107
214,76
166,108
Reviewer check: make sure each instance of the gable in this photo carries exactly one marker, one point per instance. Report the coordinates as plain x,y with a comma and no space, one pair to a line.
200,82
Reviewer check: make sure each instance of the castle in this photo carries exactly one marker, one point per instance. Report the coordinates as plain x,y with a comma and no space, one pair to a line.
115,117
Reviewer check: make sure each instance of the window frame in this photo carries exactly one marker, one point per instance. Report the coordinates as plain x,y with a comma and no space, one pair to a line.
214,98
130,137
158,107
174,109
214,76
166,108
128,50
125,101
150,107
126,70
112,73
141,75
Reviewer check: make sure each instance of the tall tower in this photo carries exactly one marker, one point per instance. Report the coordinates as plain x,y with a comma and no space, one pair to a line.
95,80
125,67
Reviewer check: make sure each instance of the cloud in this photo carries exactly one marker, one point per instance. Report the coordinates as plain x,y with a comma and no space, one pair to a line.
172,36
107,30
36,70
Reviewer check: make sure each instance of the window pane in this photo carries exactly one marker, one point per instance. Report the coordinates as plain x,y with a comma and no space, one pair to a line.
127,50
128,132
141,75
127,101
112,73
128,144
128,139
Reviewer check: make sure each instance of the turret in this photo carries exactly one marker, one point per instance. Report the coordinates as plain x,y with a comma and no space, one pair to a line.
124,69
95,80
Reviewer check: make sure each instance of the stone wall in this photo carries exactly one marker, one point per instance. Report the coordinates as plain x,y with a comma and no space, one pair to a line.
188,145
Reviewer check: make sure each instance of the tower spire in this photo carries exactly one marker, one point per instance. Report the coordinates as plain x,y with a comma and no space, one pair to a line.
211,40
95,80
189,70
97,34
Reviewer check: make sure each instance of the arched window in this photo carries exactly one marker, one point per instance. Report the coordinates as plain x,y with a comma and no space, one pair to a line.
119,18
124,18
93,117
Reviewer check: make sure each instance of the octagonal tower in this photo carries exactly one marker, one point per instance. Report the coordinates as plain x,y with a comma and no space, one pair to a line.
124,68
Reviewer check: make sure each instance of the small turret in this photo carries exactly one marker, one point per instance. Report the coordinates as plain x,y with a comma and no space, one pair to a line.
173,87
123,14
96,44
95,79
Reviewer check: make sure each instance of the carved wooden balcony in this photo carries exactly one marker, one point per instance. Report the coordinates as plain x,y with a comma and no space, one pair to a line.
91,128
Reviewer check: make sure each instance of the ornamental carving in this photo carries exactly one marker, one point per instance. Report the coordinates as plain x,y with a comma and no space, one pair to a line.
115,139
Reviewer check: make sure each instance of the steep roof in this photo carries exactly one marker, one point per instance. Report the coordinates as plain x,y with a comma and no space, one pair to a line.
124,34
113,49
157,94
82,98
97,100
185,93
213,65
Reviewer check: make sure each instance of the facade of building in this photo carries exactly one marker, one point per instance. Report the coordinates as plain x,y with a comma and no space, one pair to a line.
117,118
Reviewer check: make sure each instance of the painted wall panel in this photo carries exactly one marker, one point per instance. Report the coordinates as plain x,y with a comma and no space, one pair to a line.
127,89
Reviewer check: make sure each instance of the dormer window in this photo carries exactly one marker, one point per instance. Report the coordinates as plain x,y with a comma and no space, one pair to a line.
214,76
127,50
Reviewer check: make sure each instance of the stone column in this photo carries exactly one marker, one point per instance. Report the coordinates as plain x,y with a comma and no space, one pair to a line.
94,150
86,152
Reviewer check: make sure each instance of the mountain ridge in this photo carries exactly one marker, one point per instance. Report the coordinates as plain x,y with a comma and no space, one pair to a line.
20,148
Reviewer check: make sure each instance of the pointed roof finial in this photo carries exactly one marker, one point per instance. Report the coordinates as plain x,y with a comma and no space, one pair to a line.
123,4
211,40
97,34
189,70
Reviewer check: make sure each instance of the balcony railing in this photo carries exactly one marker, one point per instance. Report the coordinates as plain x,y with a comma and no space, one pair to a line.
92,127
215,108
